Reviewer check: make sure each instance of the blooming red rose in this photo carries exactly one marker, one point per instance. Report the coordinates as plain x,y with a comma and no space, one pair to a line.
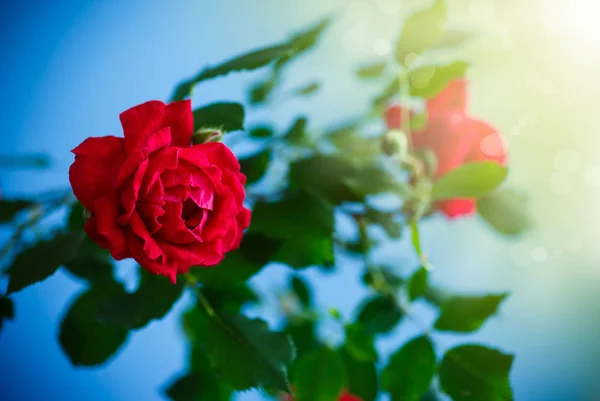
454,137
345,396
157,199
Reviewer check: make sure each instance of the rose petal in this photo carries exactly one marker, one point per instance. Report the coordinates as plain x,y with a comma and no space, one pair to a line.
130,192
96,167
486,142
166,268
452,98
457,207
215,152
143,120
106,212
150,246
195,254
174,228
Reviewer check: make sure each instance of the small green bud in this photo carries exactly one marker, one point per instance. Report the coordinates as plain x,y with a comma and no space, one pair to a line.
206,135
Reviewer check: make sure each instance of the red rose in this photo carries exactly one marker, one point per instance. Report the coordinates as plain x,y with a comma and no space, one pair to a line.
345,396
455,139
157,199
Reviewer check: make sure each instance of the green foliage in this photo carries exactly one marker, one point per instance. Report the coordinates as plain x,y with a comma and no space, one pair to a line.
379,315
85,340
7,310
152,300
304,222
421,30
471,180
296,134
506,211
255,166
474,372
261,131
199,384
319,375
308,89
255,251
372,70
452,38
360,344
429,81
386,220
417,285
410,370
362,377
94,270
42,260
467,313
246,354
9,208
225,116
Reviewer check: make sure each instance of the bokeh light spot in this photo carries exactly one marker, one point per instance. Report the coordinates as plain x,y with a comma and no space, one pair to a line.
493,145
592,177
382,47
539,254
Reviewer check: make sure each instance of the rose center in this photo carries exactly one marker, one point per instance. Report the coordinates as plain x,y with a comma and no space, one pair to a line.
192,214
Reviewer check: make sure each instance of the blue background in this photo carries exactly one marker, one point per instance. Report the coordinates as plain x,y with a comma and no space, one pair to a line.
70,67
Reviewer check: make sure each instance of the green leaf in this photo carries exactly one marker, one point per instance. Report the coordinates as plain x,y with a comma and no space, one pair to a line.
260,92
76,219
225,116
391,279
429,81
7,310
93,269
302,331
362,377
386,221
360,344
471,180
379,315
417,285
421,30
372,180
319,375
302,42
474,372
466,314
355,147
506,211
305,222
84,339
246,354
9,208
255,251
186,388
261,131
410,370
249,61
296,134
152,300
371,70
200,384
230,298
300,287
42,260
255,166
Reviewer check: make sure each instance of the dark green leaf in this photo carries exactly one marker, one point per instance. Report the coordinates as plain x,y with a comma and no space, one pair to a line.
25,161
386,220
255,166
302,42
230,298
474,372
186,388
249,61
325,175
95,270
300,287
371,70
195,322
10,208
506,211
260,92
152,300
302,331
467,313
429,81
42,260
76,219
355,147
7,310
246,354
372,180
360,344
421,30
410,370
261,131
362,377
225,116
417,285
201,384
255,251
379,315
296,134
85,340
319,375
391,279
305,222
471,180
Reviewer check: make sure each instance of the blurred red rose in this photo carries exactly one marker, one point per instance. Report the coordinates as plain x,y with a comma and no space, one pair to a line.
454,137
157,199
345,396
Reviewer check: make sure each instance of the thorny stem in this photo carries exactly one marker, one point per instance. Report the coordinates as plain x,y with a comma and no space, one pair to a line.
192,282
